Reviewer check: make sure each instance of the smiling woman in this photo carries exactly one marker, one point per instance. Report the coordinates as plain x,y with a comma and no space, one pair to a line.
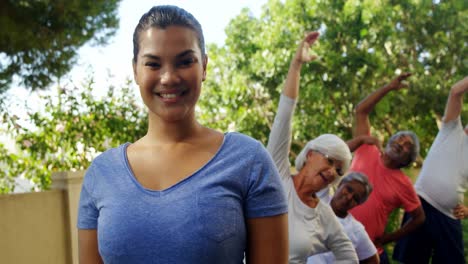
184,193
169,70
313,228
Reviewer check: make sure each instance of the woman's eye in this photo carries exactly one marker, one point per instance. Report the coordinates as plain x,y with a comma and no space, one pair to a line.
356,199
186,62
339,171
152,64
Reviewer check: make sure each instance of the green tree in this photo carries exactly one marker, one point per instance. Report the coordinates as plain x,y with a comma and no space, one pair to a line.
70,130
39,39
362,45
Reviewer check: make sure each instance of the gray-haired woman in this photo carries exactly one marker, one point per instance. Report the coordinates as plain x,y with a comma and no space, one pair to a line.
313,227
353,189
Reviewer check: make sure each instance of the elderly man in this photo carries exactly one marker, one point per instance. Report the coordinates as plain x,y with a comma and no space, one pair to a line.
440,188
392,188
353,190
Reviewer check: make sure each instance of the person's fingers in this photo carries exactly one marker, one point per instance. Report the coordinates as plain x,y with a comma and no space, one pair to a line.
311,38
404,76
404,85
459,213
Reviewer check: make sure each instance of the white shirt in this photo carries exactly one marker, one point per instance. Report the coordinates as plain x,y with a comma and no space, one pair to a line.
445,169
311,230
361,242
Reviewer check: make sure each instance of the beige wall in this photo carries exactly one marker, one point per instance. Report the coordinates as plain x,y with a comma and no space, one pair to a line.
41,227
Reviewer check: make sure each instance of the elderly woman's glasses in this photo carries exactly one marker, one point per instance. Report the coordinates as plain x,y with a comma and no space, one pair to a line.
332,162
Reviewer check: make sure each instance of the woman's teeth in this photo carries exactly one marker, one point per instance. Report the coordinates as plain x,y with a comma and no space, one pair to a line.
169,96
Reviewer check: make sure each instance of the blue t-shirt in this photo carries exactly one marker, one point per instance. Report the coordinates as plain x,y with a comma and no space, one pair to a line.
201,219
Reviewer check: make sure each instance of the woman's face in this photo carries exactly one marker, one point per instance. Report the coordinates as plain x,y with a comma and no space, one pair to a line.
321,170
348,195
170,70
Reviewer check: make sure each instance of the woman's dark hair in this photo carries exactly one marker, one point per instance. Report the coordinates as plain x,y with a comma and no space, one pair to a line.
162,17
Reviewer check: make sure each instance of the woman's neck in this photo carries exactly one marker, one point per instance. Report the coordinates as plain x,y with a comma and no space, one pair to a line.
162,131
338,213
306,194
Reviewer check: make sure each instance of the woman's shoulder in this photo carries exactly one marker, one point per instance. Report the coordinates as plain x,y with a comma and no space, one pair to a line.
240,137
241,142
354,224
107,161
243,146
322,206
326,213
111,155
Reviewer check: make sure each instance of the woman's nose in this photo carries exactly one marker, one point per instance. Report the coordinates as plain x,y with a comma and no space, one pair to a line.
169,76
331,174
333,171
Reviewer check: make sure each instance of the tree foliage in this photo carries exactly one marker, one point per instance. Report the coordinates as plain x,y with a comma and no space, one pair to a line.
39,39
363,45
68,132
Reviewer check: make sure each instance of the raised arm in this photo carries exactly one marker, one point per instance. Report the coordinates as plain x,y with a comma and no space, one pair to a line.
365,107
455,100
357,141
291,86
279,141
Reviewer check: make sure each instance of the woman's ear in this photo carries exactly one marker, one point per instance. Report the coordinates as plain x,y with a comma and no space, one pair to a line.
134,66
205,63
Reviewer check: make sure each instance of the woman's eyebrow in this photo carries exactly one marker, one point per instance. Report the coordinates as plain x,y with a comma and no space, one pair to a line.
185,53
182,54
150,56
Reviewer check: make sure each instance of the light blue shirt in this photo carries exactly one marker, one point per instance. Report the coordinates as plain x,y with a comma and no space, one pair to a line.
201,219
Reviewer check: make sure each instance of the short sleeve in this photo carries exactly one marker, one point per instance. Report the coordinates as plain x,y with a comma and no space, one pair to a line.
453,125
265,196
87,209
408,195
364,246
367,150
363,156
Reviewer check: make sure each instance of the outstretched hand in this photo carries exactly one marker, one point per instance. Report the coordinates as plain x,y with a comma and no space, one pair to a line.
303,51
398,83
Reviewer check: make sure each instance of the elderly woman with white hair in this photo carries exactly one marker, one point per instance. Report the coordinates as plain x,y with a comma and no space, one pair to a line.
313,227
